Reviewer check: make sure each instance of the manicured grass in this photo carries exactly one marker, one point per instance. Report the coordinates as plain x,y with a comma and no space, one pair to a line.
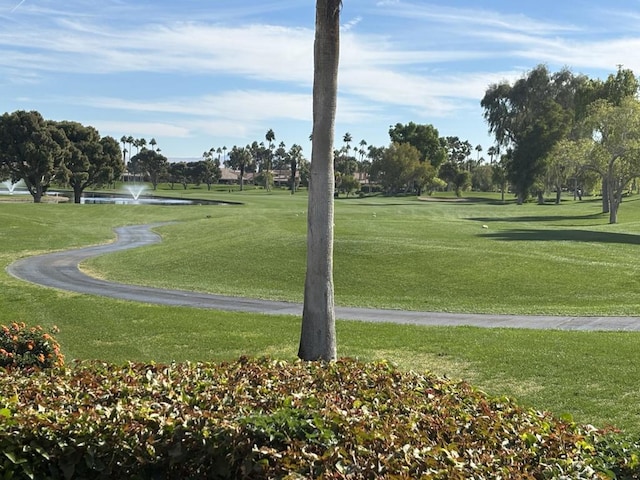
405,253
410,254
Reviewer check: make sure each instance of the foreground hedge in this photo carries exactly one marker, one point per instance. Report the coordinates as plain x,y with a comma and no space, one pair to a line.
269,419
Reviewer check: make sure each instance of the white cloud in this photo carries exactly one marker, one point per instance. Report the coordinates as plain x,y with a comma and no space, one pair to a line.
466,20
149,129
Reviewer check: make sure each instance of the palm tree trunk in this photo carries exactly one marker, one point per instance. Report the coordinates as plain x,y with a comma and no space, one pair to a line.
318,336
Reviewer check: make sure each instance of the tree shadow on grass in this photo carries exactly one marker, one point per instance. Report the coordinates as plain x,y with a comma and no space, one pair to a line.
539,218
564,236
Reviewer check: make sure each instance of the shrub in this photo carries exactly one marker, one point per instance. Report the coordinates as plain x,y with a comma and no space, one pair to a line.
28,347
264,419
617,454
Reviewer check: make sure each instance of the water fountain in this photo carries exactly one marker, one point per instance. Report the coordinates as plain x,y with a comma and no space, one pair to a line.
11,187
135,191
134,196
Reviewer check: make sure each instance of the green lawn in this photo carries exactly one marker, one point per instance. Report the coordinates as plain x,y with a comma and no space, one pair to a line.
398,253
405,253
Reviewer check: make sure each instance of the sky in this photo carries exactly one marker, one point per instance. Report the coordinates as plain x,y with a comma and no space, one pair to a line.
197,74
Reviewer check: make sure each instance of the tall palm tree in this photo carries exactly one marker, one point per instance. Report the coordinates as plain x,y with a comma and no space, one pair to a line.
130,141
318,335
362,151
492,152
347,139
123,140
270,138
295,156
142,143
153,143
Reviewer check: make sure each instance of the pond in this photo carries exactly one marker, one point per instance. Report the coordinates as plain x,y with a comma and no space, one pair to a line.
128,199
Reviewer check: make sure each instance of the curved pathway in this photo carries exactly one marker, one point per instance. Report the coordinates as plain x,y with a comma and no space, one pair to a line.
60,270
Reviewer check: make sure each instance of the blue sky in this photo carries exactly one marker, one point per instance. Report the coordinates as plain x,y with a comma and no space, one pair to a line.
196,74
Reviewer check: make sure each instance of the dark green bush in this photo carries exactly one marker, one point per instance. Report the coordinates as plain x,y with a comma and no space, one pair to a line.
263,419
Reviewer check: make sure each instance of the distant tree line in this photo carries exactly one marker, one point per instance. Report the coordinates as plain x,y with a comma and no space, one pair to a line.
39,151
263,159
553,132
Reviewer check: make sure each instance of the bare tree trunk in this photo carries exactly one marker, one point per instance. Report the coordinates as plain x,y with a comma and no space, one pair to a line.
35,189
615,198
605,195
318,336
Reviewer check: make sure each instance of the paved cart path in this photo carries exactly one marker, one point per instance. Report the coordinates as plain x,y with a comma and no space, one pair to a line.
60,270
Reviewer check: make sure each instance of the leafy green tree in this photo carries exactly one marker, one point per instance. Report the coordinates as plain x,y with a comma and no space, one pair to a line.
565,165
208,169
529,117
458,151
462,182
136,168
264,178
423,176
614,90
528,165
92,161
31,149
424,138
397,168
179,172
499,173
620,86
111,151
349,184
436,184
482,178
153,164
345,164
318,333
5,174
615,152
456,177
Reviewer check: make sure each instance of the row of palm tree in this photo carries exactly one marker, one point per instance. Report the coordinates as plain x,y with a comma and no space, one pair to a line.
137,143
347,159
